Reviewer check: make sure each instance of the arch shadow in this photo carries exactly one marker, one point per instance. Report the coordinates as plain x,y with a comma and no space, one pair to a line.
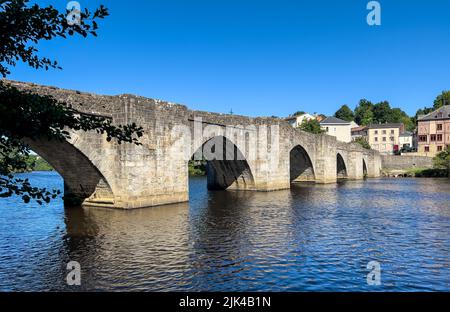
300,165
341,168
226,166
83,182
365,172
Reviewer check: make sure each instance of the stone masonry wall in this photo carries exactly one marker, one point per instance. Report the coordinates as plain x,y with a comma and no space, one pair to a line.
403,162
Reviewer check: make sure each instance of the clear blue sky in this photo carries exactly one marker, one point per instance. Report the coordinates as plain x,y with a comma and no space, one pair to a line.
259,58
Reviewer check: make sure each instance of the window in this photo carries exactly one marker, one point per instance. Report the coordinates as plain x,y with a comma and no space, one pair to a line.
392,131
376,131
439,148
433,137
439,137
384,131
384,139
427,148
439,127
376,139
392,139
422,138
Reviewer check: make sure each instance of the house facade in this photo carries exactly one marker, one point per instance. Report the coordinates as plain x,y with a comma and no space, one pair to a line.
296,121
338,128
359,132
384,138
433,132
405,140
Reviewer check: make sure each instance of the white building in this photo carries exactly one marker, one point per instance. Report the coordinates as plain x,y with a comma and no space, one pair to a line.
296,121
405,140
338,128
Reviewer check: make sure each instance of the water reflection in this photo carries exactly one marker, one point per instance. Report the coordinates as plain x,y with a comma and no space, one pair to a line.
312,237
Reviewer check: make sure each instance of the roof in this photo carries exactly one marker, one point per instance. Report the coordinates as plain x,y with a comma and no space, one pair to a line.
385,125
441,113
360,128
334,120
406,133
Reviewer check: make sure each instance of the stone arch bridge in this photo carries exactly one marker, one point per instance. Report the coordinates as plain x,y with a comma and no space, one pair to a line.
242,153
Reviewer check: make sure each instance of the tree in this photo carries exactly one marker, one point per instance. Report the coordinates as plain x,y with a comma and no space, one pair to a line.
396,115
441,100
381,112
31,116
364,113
311,126
345,113
298,113
442,160
362,142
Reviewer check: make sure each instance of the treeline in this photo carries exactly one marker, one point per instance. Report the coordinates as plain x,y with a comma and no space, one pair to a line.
32,163
366,112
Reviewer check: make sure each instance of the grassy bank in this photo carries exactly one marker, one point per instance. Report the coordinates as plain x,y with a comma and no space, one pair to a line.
427,173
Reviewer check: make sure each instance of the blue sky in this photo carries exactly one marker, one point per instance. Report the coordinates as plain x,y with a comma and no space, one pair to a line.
259,58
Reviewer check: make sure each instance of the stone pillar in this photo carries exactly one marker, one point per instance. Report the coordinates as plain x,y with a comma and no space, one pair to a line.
154,173
355,165
373,165
325,166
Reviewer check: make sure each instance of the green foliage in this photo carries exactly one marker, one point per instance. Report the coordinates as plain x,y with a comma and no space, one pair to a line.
33,163
364,113
345,113
441,100
298,113
311,126
36,163
362,142
427,173
31,116
381,112
442,160
197,168
368,113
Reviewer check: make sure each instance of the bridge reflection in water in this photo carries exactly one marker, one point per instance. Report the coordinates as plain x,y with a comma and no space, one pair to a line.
311,237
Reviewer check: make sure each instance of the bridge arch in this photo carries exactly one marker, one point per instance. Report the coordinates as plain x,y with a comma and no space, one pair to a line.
341,168
226,165
301,167
83,181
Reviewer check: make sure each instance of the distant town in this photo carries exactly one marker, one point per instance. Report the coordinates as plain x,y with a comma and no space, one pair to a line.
385,129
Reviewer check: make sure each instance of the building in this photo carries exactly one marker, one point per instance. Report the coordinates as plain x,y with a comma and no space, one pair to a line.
433,131
359,132
405,140
338,128
296,121
385,137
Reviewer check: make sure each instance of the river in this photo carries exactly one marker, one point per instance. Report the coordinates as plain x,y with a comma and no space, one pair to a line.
309,238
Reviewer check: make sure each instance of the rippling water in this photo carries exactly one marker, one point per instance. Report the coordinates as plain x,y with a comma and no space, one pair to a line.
309,238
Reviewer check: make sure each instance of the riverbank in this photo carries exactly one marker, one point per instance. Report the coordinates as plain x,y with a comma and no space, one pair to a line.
36,163
416,173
